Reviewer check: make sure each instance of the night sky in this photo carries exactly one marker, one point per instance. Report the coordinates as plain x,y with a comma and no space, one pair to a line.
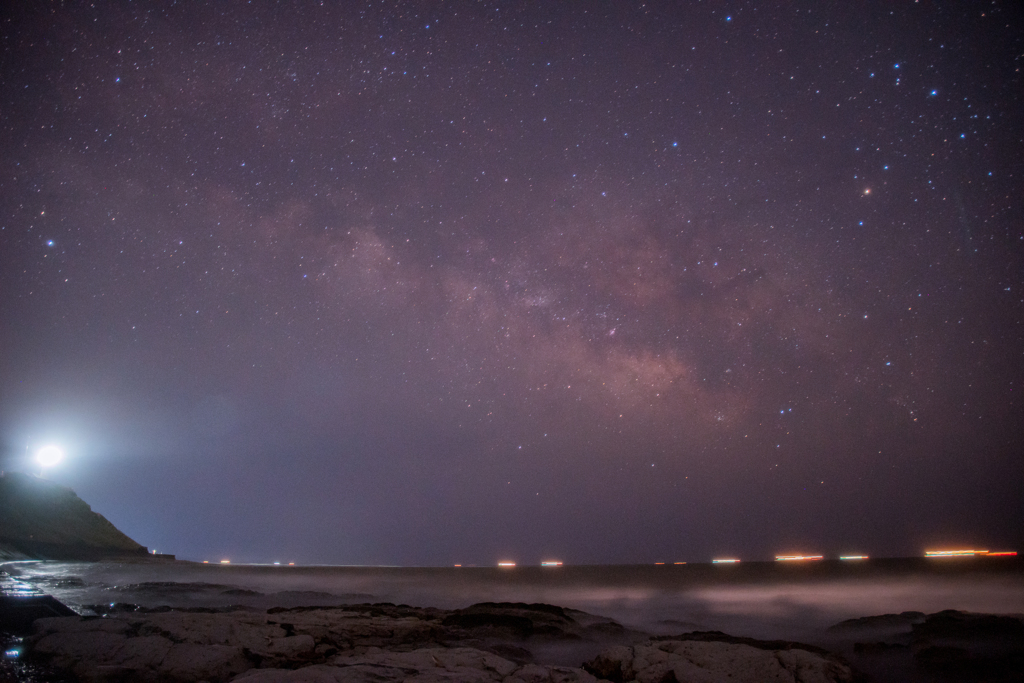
435,283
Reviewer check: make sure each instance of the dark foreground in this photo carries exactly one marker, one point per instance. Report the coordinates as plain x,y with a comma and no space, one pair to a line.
157,622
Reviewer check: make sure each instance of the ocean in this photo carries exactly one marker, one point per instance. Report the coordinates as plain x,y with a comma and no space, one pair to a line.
795,601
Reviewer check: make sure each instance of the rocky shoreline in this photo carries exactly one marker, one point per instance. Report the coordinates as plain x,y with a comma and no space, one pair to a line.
383,642
170,623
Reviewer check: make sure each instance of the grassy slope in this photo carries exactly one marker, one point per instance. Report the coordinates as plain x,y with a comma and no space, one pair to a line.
39,511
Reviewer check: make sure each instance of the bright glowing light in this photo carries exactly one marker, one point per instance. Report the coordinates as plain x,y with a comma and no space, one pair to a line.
853,557
551,563
458,565
678,563
291,564
659,563
225,561
49,455
727,560
506,564
1003,552
277,563
206,562
797,558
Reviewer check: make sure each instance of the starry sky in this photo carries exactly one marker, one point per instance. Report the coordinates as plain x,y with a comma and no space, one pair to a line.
435,283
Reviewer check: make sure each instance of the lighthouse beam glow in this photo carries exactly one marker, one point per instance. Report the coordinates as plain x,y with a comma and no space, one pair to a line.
49,455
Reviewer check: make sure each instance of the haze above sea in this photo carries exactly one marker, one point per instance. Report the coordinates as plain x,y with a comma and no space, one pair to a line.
758,599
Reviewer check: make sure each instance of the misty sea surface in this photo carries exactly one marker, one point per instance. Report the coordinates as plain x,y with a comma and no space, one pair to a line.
795,601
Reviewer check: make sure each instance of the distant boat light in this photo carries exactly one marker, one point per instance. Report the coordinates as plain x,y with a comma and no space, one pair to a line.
797,558
551,563
727,560
954,553
225,561
968,553
853,557
506,564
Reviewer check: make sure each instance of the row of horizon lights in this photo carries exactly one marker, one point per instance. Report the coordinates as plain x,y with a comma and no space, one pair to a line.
778,558
814,558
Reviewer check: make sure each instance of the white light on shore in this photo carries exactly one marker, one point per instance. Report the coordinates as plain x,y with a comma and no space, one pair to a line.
506,564
727,560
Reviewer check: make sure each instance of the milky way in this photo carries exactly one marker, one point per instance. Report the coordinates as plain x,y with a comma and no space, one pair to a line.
430,284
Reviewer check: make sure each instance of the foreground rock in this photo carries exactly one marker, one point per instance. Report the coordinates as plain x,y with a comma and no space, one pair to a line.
949,645
425,665
381,642
715,657
384,642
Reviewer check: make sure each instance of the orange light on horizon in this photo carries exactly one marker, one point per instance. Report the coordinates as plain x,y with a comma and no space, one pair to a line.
797,558
659,563
206,562
458,565
291,564
1006,553
678,563
225,561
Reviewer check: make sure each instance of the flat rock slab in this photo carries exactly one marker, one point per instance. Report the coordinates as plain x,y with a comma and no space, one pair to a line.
696,661
360,642
426,665
487,642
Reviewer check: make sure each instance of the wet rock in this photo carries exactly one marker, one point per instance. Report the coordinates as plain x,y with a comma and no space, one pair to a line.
708,661
956,624
877,647
21,604
962,646
901,622
523,620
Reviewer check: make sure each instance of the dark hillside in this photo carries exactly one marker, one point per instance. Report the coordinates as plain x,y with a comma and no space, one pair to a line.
43,520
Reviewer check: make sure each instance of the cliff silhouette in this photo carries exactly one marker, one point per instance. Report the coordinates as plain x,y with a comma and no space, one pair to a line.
46,521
